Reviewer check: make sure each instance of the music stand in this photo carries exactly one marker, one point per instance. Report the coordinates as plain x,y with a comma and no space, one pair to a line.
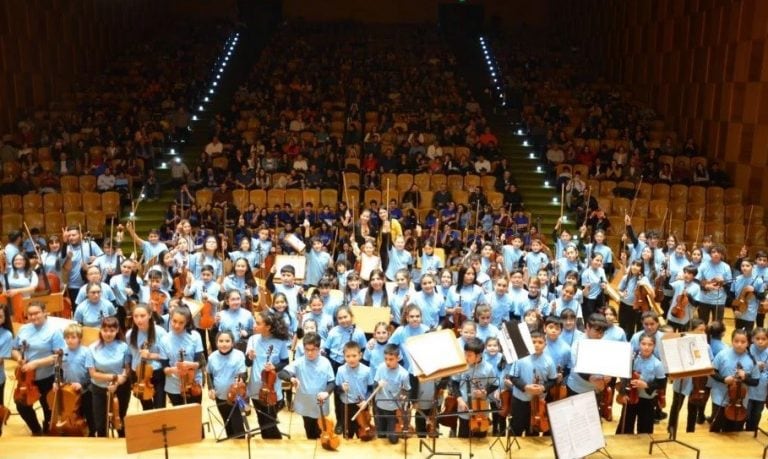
507,440
673,439
433,438
241,404
162,428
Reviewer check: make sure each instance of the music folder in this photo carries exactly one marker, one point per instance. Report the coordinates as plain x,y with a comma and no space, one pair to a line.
686,354
435,355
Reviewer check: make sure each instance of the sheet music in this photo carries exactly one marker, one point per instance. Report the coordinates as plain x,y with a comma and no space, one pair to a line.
507,348
575,424
603,357
685,353
421,350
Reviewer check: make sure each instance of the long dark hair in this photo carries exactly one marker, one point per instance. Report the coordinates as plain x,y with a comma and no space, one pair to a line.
151,336
276,325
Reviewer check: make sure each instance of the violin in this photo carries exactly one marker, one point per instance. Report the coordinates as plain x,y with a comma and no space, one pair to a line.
539,420
157,299
559,390
735,410
658,288
633,395
605,403
479,424
113,408
505,398
180,281
267,394
366,430
65,406
700,392
26,392
641,301
189,387
328,438
678,310
741,303
450,406
143,389
237,390
207,319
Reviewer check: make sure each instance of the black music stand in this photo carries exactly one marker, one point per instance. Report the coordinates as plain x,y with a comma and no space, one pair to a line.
404,405
471,413
507,440
673,439
162,428
248,433
433,438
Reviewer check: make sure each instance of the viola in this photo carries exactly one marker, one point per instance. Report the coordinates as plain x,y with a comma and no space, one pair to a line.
366,431
735,410
143,389
700,392
26,392
539,420
207,319
678,310
328,438
237,390
65,406
189,387
267,394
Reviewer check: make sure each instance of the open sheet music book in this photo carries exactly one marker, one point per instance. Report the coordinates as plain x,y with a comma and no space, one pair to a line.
435,355
685,355
575,424
604,357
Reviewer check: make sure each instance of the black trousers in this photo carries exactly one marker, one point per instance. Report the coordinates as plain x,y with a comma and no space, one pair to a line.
754,410
234,422
591,306
385,425
521,417
267,419
713,311
209,339
640,413
629,319
100,408
311,428
28,414
674,413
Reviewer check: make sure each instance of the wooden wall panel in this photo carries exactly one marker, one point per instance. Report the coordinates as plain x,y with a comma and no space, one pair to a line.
702,64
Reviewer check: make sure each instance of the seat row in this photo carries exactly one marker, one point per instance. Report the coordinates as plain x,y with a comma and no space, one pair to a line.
50,223
107,202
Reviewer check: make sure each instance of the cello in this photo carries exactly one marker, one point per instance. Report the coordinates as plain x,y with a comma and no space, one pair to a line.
65,406
26,392
328,438
267,394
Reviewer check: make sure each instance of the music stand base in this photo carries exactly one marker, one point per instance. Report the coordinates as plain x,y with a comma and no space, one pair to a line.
506,442
164,430
673,439
604,452
433,449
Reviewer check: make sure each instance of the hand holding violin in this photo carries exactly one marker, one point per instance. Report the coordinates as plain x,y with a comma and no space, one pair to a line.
322,396
534,389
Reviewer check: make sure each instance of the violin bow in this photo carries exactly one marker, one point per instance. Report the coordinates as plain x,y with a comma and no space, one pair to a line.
366,402
562,200
749,224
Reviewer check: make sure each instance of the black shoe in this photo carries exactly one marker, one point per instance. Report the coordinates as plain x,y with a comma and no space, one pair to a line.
393,439
339,429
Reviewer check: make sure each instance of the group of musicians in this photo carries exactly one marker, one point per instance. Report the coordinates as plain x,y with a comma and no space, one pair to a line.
176,317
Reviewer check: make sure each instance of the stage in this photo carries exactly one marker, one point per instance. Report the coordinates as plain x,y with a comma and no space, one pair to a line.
624,446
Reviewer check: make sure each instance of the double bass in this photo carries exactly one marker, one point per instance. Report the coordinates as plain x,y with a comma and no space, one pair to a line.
26,392
65,407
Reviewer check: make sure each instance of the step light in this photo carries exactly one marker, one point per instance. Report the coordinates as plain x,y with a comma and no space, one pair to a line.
538,169
519,132
525,143
546,182
531,155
